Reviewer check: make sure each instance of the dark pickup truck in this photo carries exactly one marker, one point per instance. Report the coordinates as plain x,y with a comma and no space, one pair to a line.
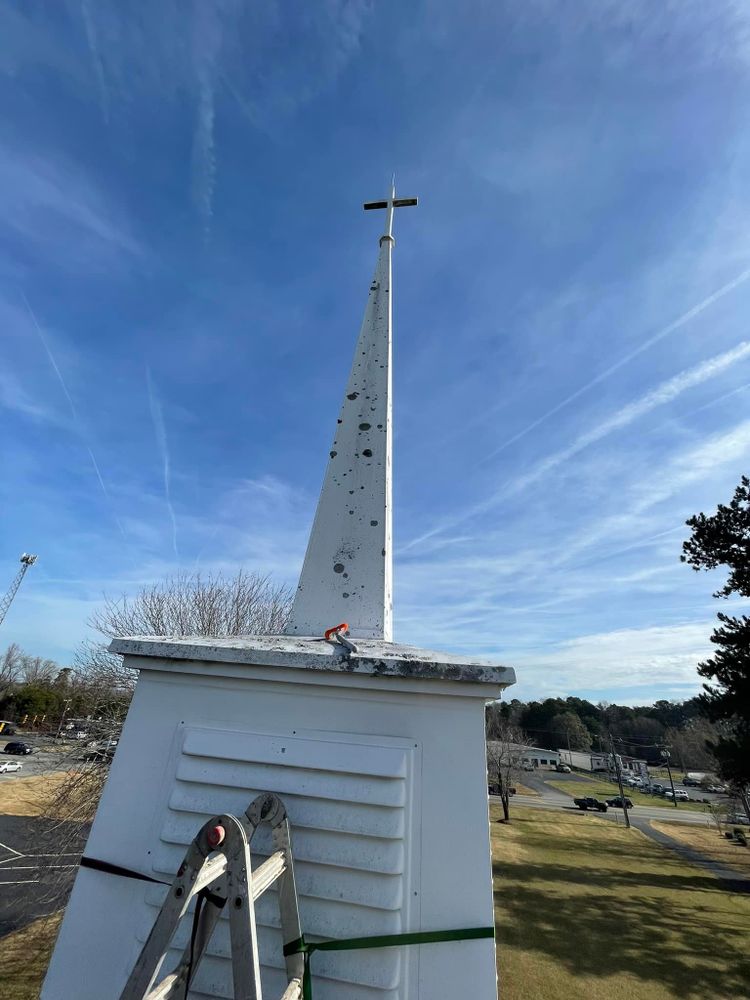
589,803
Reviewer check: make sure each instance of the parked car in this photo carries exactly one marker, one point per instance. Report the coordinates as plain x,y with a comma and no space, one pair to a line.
738,819
717,789
679,794
9,765
590,803
528,766
616,802
563,768
16,747
657,788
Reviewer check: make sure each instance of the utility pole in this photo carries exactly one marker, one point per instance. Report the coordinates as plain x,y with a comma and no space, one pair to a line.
666,755
66,706
616,761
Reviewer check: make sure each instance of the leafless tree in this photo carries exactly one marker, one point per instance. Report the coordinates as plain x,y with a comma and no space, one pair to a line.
99,688
689,744
717,812
10,666
506,744
37,670
191,604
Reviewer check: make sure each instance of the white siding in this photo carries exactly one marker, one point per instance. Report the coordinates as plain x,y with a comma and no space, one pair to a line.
347,804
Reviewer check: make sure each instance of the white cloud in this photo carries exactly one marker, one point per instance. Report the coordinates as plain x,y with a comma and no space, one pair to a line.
661,656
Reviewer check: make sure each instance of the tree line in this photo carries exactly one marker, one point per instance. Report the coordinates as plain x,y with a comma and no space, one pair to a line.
640,731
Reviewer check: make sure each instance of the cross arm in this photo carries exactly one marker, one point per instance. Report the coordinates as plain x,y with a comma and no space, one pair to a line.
398,203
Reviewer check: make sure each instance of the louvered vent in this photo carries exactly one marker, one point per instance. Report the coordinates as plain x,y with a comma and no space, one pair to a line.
351,803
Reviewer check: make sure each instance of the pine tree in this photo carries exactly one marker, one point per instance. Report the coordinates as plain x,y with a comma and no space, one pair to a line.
723,539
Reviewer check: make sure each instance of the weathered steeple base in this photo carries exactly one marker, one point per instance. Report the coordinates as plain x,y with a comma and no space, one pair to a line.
379,757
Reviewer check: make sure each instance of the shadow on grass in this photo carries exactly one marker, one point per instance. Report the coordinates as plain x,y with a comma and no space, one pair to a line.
625,922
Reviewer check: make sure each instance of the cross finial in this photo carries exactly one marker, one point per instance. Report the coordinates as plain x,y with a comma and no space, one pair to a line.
391,203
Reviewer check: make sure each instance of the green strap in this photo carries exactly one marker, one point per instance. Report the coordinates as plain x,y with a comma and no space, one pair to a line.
378,941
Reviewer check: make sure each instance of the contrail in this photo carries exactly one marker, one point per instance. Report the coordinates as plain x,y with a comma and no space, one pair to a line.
92,38
161,440
664,393
644,346
74,412
661,395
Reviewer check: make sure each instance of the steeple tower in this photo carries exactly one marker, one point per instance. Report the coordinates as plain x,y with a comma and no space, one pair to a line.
348,569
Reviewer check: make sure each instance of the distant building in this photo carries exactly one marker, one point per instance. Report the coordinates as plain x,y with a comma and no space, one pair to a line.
541,758
521,755
603,762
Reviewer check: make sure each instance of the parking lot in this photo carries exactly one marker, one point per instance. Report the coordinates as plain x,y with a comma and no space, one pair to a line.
49,754
35,877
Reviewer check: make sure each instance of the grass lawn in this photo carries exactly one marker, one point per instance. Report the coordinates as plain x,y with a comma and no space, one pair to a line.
600,788
706,840
24,957
589,910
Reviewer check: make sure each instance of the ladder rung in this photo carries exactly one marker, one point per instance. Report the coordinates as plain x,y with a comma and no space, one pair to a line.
264,875
210,871
165,987
293,991
267,873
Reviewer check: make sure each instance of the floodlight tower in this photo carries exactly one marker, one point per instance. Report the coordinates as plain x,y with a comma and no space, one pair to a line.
26,561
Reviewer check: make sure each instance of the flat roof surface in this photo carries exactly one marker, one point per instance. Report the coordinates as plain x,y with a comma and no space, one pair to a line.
372,656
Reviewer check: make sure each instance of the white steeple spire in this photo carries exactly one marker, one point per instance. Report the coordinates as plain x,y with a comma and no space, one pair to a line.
348,568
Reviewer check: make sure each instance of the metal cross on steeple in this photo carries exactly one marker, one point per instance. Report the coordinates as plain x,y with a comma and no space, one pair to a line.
348,569
391,203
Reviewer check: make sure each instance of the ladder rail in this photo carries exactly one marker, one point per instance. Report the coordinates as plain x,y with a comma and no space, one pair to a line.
217,871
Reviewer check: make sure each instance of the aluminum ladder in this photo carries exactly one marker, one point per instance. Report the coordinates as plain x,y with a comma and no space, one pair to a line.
217,870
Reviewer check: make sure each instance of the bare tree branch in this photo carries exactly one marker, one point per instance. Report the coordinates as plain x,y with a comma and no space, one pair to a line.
506,744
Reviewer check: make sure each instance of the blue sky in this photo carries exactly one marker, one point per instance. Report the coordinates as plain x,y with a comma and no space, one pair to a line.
184,263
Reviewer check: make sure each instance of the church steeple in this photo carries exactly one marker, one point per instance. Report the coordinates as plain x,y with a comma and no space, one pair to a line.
348,569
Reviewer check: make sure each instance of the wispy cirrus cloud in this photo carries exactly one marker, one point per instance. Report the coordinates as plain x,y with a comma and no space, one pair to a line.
76,418
649,342
663,394
58,212
14,396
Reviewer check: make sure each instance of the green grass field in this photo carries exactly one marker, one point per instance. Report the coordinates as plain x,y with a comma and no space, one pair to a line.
600,788
590,910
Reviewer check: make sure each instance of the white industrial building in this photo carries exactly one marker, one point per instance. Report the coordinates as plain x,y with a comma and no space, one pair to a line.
585,761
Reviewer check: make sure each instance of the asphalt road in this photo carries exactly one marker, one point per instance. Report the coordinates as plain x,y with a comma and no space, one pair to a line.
550,797
38,857
38,860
